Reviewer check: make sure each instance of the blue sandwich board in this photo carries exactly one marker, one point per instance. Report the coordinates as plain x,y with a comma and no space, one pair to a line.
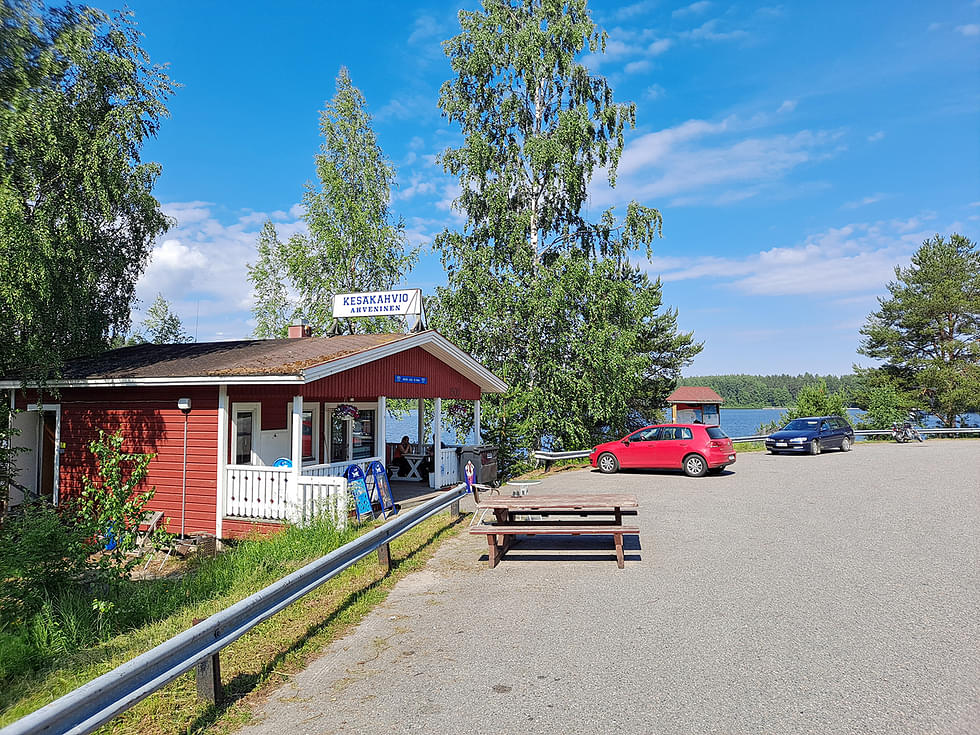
358,486
382,489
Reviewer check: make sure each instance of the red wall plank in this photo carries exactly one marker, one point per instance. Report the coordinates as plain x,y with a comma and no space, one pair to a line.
151,423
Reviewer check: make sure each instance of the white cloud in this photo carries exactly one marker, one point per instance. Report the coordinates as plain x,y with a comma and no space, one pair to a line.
863,202
970,29
935,26
692,9
875,137
425,28
695,159
297,211
787,106
203,261
709,32
635,67
654,92
857,258
634,9
660,46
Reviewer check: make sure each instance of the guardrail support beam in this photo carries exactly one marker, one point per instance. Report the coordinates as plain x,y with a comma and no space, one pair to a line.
454,510
384,557
208,674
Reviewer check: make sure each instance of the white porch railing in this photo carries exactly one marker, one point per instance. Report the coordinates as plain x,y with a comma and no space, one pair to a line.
270,493
337,469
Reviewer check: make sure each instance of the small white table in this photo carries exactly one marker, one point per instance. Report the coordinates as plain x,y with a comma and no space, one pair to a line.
523,485
414,466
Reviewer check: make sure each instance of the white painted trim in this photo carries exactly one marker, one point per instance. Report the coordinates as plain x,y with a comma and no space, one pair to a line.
186,380
315,408
381,429
223,433
39,448
476,421
437,444
256,409
296,448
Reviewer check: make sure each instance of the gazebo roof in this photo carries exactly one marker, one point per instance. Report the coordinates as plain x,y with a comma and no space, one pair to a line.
694,394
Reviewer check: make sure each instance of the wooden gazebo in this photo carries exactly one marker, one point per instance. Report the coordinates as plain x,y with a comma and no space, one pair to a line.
692,404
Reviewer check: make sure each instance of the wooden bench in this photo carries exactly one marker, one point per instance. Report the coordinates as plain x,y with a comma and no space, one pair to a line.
501,535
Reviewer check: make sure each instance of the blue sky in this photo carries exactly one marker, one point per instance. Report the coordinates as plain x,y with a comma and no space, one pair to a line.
798,152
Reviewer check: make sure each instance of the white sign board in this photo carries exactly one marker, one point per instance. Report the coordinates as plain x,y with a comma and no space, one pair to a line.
378,303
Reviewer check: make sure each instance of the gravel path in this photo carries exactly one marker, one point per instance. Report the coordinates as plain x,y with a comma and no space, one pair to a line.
795,594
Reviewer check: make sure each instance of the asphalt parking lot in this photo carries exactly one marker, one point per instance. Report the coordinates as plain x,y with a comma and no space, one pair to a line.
838,593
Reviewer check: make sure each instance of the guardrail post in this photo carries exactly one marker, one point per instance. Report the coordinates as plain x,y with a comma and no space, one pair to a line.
208,673
384,557
454,510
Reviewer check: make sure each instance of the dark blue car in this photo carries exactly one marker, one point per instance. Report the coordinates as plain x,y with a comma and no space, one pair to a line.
812,435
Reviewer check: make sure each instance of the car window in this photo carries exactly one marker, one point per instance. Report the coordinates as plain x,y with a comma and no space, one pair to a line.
801,425
824,426
645,435
685,433
715,432
842,423
668,432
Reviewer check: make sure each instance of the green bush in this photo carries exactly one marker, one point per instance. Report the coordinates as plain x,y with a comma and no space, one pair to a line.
42,552
812,400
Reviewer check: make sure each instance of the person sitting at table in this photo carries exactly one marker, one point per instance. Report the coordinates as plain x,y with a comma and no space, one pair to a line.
401,449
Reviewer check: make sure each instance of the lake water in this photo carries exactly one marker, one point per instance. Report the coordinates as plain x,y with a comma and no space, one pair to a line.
735,422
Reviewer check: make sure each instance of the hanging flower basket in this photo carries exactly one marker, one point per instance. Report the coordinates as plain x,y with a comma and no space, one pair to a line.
347,412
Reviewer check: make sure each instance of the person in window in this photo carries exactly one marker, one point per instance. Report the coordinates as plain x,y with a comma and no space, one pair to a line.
401,449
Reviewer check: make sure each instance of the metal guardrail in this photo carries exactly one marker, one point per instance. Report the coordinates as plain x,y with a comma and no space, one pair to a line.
95,703
549,457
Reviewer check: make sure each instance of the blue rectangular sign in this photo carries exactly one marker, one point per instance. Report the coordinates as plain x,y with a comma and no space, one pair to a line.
411,379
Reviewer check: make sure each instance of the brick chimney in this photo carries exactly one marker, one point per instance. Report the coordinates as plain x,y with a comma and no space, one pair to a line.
300,329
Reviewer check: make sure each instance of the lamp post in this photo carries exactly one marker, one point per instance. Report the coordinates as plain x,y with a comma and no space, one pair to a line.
184,404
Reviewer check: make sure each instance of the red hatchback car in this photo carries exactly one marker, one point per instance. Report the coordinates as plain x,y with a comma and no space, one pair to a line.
694,448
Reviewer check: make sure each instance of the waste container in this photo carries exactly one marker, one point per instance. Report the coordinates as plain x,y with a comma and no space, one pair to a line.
484,459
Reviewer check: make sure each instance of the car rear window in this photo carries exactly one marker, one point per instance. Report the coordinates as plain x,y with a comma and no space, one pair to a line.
715,433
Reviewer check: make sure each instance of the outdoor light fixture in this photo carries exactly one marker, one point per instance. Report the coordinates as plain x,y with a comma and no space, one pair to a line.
184,404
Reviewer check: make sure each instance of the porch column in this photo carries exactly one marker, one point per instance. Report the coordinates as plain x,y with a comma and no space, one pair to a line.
476,422
296,453
381,430
437,444
222,457
421,423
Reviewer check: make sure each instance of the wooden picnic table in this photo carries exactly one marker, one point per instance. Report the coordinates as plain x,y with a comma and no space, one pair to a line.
597,514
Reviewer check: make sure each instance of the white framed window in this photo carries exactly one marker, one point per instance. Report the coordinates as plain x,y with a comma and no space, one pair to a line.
350,440
246,431
311,430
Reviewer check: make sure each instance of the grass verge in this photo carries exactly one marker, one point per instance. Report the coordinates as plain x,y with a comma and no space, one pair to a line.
255,663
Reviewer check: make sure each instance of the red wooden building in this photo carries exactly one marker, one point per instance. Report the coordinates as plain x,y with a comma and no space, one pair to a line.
695,404
252,402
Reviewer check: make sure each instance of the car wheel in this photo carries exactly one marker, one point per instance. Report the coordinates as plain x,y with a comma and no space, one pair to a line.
607,463
845,444
815,446
695,466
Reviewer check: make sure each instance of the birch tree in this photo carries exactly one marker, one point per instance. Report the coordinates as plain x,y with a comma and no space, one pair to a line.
78,98
539,292
353,242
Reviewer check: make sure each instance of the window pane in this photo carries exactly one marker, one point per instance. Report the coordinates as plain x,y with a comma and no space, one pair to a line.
685,433
364,435
308,435
339,429
715,433
243,437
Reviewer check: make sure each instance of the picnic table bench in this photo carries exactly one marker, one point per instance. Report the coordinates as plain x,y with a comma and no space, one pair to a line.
594,515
